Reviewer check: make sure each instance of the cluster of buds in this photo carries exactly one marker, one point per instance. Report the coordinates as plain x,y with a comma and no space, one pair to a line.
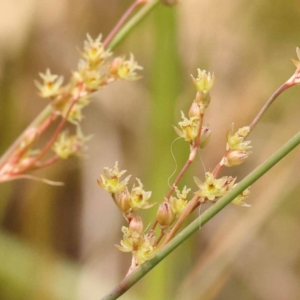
237,149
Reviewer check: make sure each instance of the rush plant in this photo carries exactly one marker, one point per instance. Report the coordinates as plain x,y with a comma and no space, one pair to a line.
97,68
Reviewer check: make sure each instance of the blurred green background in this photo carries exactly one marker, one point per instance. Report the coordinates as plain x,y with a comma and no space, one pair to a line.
57,243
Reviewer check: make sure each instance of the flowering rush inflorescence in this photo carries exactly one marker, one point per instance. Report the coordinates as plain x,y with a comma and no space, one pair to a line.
95,70
174,209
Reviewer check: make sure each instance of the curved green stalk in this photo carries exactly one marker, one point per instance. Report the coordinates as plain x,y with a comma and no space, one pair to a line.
142,270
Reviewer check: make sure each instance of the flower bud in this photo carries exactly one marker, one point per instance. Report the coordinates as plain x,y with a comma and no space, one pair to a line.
123,201
114,66
205,136
165,215
136,225
194,110
235,158
203,98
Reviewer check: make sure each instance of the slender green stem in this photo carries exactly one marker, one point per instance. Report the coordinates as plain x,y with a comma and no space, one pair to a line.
142,270
135,20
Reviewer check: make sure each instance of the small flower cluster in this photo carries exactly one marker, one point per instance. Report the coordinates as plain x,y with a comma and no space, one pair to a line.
203,83
94,71
51,85
134,240
213,188
179,202
127,201
237,149
142,246
190,128
68,145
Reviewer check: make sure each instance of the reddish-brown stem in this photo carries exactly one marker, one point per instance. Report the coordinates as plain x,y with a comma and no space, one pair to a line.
27,176
54,137
44,126
191,158
217,169
47,163
124,17
268,103
179,176
289,83
153,226
160,237
187,211
15,157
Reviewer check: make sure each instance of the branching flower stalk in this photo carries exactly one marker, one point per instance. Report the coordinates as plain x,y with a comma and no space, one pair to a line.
201,220
237,150
174,210
94,71
292,81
